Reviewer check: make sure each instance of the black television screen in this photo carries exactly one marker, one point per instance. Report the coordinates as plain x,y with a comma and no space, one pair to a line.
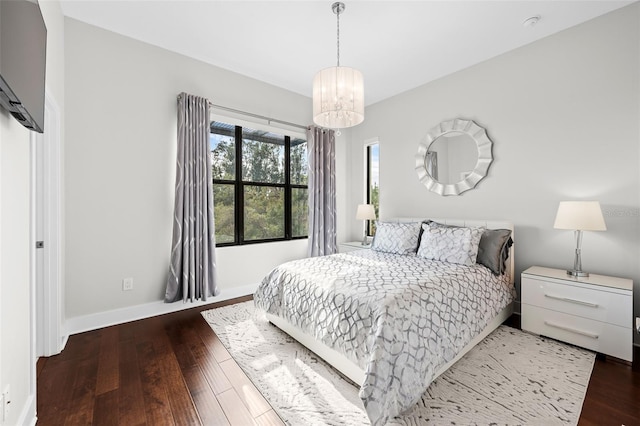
23,51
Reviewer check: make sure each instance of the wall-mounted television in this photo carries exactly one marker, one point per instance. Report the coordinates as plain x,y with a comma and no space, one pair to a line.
23,53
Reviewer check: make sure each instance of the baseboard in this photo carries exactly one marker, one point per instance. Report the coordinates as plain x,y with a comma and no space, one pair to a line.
98,320
28,414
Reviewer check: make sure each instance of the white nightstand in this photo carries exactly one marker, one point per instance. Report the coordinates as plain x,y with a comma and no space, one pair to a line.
351,246
594,312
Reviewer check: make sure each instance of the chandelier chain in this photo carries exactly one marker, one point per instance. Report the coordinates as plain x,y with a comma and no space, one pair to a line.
338,34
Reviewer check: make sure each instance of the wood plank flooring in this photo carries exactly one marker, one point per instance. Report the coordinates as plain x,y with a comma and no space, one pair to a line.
173,370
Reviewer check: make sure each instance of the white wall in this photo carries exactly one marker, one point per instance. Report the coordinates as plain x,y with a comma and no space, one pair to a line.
563,115
17,366
15,320
120,166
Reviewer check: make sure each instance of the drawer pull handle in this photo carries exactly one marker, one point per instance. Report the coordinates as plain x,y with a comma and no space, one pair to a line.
573,330
566,299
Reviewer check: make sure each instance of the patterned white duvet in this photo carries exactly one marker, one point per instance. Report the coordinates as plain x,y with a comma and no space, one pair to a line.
398,317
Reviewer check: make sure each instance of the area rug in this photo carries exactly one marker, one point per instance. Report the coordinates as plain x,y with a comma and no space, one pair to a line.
510,378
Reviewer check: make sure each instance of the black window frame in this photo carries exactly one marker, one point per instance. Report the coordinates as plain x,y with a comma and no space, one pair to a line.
239,185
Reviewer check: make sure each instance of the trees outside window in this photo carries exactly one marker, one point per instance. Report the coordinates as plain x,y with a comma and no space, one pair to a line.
259,183
373,183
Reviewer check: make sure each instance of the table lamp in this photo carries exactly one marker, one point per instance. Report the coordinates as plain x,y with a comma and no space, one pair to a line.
365,212
579,216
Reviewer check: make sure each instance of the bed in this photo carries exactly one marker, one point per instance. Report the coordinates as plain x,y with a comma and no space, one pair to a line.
395,317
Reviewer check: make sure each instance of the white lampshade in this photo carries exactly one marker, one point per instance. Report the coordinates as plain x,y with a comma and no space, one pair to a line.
338,97
365,212
580,215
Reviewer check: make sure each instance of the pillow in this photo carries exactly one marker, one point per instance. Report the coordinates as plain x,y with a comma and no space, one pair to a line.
450,244
396,237
493,250
491,253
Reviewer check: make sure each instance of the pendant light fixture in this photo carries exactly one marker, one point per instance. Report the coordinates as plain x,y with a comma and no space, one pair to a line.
338,92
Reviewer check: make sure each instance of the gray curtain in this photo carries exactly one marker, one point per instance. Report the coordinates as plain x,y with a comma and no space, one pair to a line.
322,191
192,271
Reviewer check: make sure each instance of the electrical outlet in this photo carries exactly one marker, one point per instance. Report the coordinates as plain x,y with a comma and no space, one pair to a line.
127,284
638,324
6,402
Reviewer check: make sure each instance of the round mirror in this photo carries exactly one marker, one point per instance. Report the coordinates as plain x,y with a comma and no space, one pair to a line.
453,157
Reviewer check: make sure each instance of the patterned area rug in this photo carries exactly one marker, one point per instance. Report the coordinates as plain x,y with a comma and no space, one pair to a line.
510,378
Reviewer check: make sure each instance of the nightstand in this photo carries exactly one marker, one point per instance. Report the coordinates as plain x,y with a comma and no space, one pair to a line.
351,246
594,312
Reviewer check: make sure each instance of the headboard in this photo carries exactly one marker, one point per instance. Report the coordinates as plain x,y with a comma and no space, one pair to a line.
489,224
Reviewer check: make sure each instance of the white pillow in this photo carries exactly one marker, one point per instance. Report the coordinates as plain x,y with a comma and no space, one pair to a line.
450,244
396,237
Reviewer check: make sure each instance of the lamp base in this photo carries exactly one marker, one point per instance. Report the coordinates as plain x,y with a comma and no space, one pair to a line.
577,261
574,273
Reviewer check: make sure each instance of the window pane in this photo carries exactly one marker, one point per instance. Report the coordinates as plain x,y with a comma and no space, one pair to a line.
262,156
222,143
263,212
224,212
373,186
299,212
299,164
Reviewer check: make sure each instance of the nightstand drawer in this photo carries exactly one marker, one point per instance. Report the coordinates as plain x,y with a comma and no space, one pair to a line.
596,304
595,335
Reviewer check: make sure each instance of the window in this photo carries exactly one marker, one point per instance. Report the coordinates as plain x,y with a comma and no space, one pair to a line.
373,183
259,185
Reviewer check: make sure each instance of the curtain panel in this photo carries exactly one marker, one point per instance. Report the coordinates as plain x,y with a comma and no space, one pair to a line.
322,191
192,272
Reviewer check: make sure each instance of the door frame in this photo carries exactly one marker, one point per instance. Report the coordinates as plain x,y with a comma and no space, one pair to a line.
46,278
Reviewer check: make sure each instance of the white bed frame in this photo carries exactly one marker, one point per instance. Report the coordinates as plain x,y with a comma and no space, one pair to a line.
351,369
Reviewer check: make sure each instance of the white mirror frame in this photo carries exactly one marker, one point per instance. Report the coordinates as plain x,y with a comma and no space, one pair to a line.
485,157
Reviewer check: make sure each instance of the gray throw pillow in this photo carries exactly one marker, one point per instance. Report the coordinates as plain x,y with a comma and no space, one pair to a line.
493,250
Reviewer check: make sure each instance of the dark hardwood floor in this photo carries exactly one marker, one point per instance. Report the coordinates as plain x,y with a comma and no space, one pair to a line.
173,370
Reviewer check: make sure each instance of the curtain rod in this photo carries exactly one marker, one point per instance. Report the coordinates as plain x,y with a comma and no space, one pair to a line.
261,117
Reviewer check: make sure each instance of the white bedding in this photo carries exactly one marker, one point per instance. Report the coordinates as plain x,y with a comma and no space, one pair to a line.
399,317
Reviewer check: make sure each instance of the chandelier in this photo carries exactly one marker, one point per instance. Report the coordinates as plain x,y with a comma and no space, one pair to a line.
338,92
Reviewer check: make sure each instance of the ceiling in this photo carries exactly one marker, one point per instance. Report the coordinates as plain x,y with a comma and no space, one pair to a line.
398,45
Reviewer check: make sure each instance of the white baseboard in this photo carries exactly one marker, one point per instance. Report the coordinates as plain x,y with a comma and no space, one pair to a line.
28,413
98,320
